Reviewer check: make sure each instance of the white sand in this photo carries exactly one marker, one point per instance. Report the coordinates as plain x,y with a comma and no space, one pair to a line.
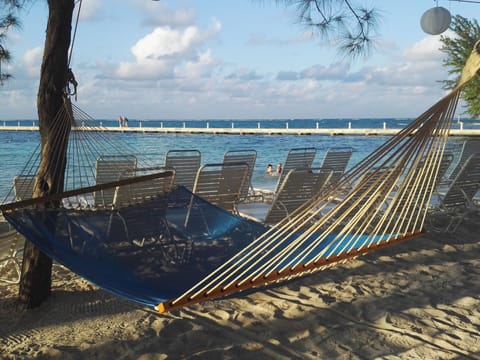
415,300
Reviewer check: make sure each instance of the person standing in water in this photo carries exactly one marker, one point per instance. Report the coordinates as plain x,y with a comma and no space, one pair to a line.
270,169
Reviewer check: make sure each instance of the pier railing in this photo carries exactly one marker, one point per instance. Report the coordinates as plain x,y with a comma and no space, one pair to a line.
383,131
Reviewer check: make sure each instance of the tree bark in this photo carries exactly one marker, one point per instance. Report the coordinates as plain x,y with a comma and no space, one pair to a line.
36,278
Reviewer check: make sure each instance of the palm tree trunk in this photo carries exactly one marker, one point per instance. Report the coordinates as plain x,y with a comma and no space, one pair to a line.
35,283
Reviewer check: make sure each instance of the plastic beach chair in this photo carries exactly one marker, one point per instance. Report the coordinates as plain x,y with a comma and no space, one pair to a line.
249,157
470,146
458,200
337,159
23,186
186,164
110,168
298,187
221,184
297,158
135,192
11,244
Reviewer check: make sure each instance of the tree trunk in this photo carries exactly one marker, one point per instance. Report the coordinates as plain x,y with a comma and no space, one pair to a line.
35,284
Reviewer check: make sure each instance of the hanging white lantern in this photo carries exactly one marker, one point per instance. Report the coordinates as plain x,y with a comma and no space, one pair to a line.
436,20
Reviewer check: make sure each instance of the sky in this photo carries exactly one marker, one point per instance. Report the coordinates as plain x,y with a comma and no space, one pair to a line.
219,59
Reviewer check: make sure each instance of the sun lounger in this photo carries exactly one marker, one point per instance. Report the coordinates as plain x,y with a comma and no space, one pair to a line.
337,159
11,244
23,186
249,157
221,184
470,146
186,164
298,187
457,202
140,191
297,158
136,192
111,168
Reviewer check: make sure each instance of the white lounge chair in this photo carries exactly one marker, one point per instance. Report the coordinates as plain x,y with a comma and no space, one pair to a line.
110,168
297,158
135,192
186,164
469,147
23,186
457,202
11,244
221,184
249,157
298,187
337,159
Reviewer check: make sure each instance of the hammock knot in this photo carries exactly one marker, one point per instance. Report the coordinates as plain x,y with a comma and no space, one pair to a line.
71,80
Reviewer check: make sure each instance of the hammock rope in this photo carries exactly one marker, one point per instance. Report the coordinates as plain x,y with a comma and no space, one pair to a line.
388,204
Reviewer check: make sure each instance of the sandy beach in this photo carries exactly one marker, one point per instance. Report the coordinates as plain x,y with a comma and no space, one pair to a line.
415,300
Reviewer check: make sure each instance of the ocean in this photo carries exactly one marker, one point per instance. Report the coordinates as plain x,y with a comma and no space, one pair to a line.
17,147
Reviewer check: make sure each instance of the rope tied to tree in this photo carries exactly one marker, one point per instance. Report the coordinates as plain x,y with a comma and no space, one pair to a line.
71,81
70,76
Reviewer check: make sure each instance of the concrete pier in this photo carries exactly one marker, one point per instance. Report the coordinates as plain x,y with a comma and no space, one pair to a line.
248,131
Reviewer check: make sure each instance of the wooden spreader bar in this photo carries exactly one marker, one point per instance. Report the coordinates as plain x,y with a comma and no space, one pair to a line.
256,281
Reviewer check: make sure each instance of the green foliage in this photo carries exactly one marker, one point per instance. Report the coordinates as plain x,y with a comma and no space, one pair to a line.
8,20
457,49
350,27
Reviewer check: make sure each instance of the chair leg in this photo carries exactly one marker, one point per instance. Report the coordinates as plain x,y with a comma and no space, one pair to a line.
18,272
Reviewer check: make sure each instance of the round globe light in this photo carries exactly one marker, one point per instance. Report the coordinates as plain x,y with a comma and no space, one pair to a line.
436,20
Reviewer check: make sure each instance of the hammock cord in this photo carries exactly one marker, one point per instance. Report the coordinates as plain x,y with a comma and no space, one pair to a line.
389,203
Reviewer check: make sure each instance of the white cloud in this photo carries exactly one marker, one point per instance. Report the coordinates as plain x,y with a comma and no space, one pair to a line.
167,51
22,101
199,67
146,69
164,41
90,10
32,60
426,49
332,72
419,65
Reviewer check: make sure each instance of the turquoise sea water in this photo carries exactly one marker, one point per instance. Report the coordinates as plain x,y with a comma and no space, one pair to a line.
17,147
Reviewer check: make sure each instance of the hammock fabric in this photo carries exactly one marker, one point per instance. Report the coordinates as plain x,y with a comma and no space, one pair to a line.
175,249
145,258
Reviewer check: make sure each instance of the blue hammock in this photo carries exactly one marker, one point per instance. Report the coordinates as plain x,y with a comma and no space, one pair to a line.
150,252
